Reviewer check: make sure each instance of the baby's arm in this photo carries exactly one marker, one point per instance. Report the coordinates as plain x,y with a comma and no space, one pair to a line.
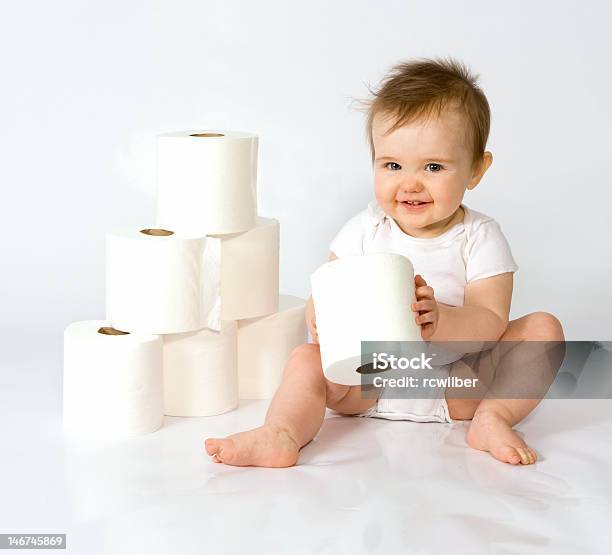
311,321
484,316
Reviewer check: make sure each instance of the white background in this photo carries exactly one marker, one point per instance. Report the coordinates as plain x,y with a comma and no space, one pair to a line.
86,86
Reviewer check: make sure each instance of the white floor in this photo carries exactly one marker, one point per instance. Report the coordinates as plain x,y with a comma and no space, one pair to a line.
362,486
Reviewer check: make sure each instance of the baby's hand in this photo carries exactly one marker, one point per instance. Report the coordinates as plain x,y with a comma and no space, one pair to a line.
426,307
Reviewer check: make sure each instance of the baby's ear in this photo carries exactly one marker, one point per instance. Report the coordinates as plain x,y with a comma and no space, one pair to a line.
480,169
487,159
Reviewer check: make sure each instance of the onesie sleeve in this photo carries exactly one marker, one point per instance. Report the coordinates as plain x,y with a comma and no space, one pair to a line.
349,240
488,252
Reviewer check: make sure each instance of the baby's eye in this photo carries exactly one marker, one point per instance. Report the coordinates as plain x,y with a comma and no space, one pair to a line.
393,166
436,165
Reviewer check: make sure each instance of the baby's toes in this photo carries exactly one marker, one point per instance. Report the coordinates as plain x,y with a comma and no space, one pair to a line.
210,446
531,455
228,452
213,447
526,454
508,454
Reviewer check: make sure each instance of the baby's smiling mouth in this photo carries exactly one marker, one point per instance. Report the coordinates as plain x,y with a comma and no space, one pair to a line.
415,202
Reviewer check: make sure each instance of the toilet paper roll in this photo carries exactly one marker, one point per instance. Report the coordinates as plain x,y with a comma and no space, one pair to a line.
112,382
241,277
200,372
264,346
153,281
361,298
206,181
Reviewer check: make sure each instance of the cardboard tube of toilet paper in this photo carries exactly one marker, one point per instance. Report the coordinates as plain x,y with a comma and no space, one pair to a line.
361,298
206,181
112,382
153,281
241,277
264,346
200,372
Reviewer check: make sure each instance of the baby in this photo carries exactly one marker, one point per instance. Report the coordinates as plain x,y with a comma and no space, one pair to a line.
427,126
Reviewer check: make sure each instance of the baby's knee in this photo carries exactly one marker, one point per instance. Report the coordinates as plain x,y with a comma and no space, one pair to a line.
307,353
306,350
543,326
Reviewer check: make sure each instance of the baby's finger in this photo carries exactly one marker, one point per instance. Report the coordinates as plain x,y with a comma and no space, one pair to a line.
419,280
427,318
426,331
425,305
424,292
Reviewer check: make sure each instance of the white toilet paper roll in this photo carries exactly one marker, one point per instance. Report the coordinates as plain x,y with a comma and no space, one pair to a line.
264,346
200,372
206,181
153,281
244,284
112,382
361,298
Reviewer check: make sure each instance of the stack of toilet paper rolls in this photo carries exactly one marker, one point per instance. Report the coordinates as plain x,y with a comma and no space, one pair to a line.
194,320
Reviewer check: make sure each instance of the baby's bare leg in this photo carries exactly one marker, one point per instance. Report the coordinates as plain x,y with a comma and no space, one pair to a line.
532,350
294,416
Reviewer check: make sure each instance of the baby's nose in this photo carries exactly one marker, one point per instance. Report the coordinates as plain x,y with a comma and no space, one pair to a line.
411,186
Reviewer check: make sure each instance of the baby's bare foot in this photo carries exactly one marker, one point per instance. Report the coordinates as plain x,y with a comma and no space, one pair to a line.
490,432
264,446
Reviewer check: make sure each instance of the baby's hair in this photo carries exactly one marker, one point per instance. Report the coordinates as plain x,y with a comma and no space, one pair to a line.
423,88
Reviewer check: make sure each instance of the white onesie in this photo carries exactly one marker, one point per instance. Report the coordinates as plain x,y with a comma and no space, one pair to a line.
473,249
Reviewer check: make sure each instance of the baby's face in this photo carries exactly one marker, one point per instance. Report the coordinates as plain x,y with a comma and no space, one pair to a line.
424,161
